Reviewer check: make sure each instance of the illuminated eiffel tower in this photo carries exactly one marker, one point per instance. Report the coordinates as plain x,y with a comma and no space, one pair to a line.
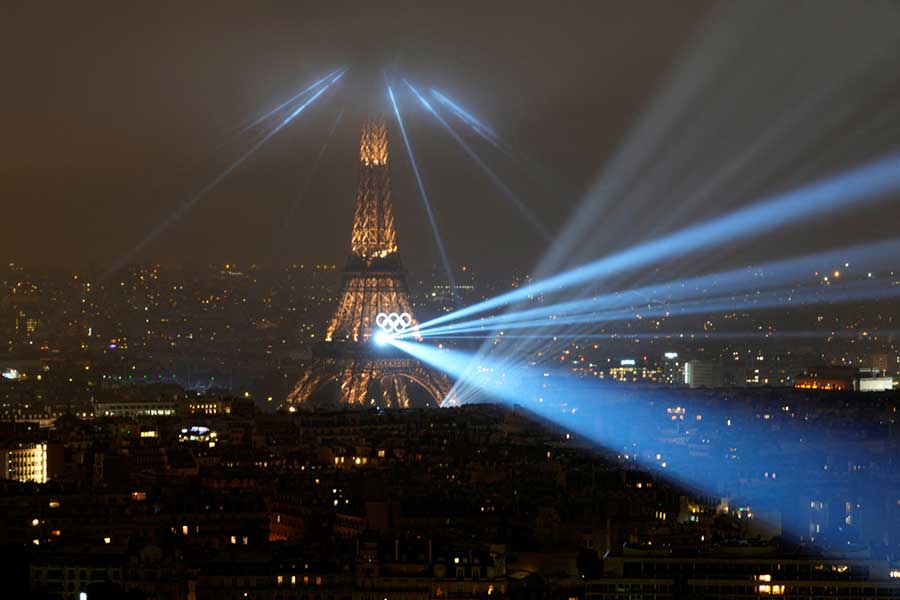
347,369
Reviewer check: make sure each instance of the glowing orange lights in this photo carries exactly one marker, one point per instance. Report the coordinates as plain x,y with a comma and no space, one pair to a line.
374,283
373,234
373,150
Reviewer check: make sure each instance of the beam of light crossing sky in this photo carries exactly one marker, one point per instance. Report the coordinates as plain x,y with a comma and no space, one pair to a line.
288,221
473,122
858,187
772,335
782,134
744,280
716,81
507,192
529,166
547,329
867,291
193,200
287,102
438,240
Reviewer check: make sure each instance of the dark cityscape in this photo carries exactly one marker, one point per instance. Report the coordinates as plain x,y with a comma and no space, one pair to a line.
579,301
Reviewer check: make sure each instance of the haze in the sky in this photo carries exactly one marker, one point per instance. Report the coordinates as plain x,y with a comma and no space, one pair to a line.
115,114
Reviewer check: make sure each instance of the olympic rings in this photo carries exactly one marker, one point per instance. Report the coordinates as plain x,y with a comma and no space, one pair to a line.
393,323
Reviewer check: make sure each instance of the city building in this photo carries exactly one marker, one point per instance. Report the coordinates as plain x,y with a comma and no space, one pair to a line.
746,570
36,462
844,378
698,373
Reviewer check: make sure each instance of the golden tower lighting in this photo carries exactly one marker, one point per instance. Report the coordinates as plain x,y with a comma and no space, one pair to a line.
374,282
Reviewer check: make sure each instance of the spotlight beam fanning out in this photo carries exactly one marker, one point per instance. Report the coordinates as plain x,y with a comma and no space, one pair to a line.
289,219
633,423
855,188
511,196
781,299
763,277
474,123
193,200
530,167
438,240
286,103
677,335
711,81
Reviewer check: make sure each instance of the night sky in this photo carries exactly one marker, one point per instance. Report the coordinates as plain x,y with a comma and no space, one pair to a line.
114,114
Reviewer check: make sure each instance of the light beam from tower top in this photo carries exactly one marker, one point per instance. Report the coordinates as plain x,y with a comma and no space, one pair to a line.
197,197
506,191
438,240
468,118
333,76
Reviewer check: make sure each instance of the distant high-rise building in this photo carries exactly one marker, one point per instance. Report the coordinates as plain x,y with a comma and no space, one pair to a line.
698,373
672,368
347,369
26,462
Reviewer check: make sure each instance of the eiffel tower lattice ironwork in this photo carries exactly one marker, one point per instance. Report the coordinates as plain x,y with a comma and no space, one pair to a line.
346,369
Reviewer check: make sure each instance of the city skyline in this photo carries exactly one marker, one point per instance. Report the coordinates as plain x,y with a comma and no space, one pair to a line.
471,301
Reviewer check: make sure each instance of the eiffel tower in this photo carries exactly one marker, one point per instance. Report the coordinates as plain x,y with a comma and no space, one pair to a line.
347,369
